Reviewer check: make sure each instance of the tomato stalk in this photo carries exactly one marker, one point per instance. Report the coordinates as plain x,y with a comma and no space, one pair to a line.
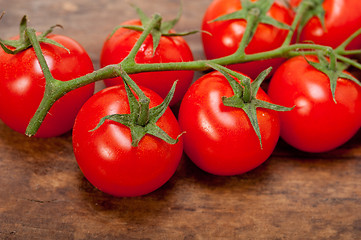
155,24
255,14
302,9
248,33
349,61
53,87
341,49
245,93
141,120
142,117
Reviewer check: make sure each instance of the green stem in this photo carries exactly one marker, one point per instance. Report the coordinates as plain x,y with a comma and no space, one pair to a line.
341,49
349,61
130,59
247,35
333,60
302,9
144,101
201,65
31,33
143,118
349,52
53,90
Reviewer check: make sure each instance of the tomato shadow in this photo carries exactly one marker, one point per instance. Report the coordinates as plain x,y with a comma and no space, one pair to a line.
191,191
139,210
253,179
347,152
284,158
20,142
38,155
183,193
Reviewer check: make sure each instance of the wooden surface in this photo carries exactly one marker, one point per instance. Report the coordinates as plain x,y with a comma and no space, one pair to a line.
43,194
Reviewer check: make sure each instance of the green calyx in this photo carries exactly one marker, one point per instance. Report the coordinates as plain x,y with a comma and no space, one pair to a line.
23,42
245,93
255,13
163,28
141,120
332,69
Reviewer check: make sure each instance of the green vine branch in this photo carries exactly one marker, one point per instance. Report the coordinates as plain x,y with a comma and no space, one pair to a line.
255,15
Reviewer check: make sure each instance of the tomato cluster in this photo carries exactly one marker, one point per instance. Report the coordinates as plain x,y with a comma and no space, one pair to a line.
218,138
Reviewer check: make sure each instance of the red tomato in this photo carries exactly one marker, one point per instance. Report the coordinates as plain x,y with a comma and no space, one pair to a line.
220,139
342,18
225,36
170,49
317,123
106,156
22,86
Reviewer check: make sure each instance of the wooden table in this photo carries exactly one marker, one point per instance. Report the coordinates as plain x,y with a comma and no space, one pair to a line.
43,194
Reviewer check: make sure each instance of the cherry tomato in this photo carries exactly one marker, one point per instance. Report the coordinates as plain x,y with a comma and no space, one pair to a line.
222,38
170,49
22,86
317,123
342,18
220,139
106,156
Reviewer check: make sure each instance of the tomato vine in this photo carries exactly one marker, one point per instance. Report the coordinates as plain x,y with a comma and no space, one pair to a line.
255,13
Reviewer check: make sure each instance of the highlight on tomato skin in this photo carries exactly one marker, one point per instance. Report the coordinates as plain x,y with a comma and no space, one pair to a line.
222,38
220,139
106,155
317,123
23,85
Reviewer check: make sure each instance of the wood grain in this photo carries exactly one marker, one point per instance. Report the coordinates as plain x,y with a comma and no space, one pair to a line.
43,194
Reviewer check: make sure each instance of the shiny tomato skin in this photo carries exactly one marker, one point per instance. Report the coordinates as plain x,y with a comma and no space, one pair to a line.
170,49
317,123
222,38
220,139
342,18
106,157
22,86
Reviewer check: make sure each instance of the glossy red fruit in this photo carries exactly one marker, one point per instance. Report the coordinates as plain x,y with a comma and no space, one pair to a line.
22,86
